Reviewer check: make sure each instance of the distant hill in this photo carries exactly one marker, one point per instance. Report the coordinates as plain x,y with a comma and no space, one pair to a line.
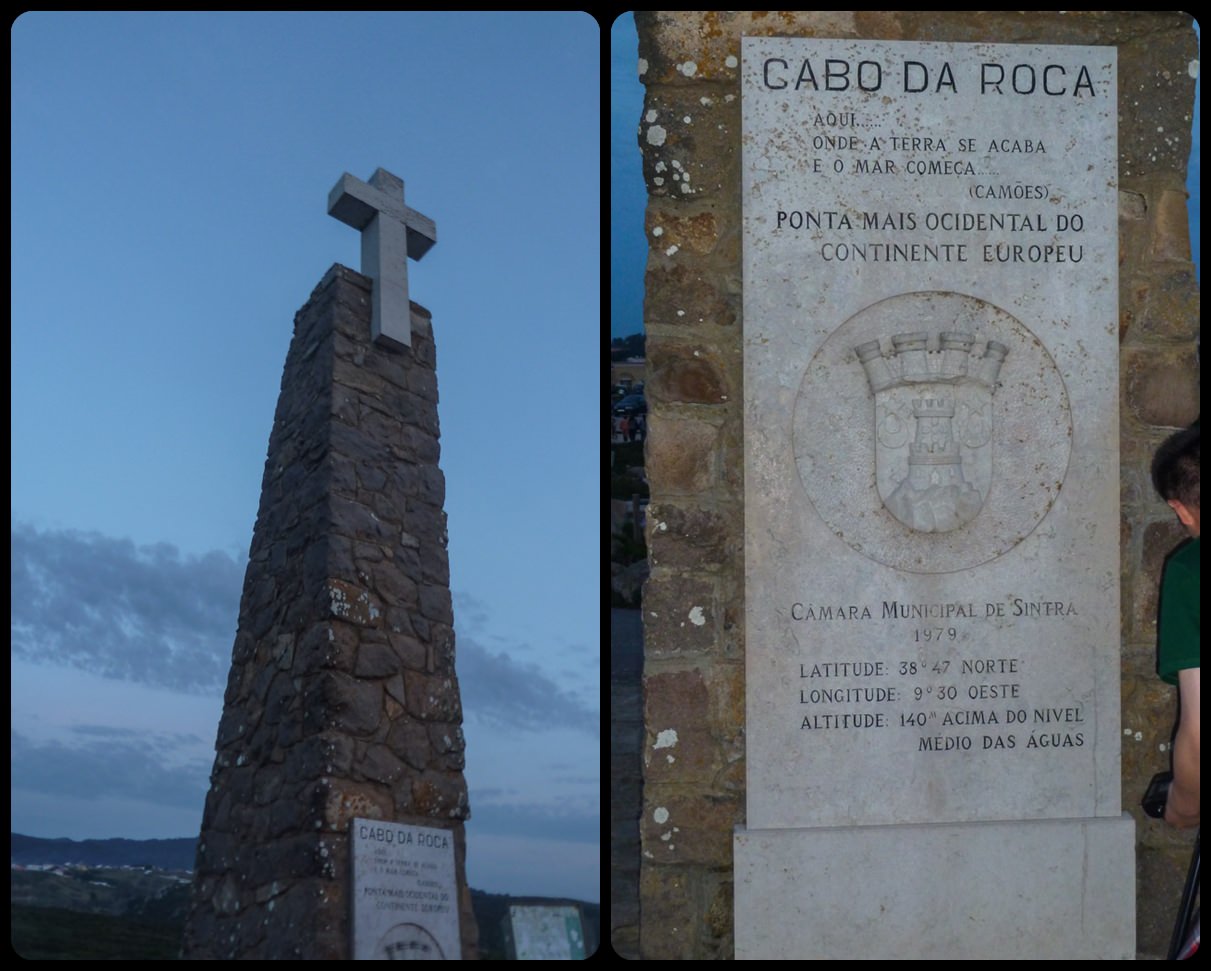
161,899
175,854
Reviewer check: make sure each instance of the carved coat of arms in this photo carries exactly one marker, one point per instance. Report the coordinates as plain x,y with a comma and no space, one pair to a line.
933,425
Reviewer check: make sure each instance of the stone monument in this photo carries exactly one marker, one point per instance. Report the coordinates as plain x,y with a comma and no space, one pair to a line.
931,513
333,825
696,740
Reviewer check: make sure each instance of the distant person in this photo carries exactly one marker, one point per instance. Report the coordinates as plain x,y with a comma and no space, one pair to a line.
641,427
1175,475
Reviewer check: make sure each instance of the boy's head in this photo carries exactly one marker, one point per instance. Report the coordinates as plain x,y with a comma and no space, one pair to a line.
1175,475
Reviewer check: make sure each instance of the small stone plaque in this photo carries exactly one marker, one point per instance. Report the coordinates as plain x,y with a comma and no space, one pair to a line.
931,432
405,895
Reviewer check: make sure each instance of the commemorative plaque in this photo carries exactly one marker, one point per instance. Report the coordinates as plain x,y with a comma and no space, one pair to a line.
931,432
405,895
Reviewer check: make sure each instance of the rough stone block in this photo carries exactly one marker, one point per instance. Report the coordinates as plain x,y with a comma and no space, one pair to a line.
1132,205
435,603
433,698
376,661
409,739
1171,229
679,616
345,801
678,294
698,232
412,653
353,604
681,537
394,586
686,145
1162,78
670,916
681,455
380,765
1162,387
438,794
686,373
1173,306
683,825
336,701
679,746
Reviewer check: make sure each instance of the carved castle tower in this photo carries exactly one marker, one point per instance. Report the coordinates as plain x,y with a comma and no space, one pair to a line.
929,490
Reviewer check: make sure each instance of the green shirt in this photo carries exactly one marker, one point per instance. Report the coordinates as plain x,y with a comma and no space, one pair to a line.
1178,630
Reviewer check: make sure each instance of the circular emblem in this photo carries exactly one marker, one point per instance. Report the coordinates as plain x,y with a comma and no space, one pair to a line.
408,942
932,432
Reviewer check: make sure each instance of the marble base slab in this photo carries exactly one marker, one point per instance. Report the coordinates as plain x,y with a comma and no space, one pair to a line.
1039,890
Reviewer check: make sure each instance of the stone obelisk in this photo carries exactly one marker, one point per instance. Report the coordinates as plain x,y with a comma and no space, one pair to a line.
342,703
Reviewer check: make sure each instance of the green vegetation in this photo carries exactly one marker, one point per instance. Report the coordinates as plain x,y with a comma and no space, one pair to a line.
625,484
622,348
102,913
53,934
142,894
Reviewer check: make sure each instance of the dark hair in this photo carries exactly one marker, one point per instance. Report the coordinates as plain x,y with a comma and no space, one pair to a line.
1175,467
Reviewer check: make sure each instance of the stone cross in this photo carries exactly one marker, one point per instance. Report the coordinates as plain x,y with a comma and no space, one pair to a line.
391,232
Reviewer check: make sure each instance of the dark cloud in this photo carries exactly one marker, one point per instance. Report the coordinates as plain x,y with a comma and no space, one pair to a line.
498,690
128,765
153,615
137,613
469,611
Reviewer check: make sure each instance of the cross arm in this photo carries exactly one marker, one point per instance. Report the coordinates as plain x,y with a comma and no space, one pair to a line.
356,203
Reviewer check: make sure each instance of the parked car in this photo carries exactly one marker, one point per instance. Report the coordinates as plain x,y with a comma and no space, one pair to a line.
632,404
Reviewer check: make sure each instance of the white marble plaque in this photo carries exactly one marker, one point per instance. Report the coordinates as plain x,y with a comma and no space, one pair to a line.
931,432
405,894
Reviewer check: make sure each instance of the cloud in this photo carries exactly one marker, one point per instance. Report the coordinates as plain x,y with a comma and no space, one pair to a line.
138,613
152,615
503,692
123,764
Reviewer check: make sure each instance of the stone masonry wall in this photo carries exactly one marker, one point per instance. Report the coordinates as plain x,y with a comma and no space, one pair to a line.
342,699
693,607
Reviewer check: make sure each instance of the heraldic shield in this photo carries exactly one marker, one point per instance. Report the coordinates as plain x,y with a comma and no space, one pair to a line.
933,425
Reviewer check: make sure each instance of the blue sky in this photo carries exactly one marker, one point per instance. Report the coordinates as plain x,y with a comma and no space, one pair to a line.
628,196
170,175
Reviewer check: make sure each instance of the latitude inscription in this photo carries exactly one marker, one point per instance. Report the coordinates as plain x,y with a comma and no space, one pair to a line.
391,234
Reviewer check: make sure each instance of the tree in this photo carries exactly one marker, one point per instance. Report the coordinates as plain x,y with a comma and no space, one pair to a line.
622,348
